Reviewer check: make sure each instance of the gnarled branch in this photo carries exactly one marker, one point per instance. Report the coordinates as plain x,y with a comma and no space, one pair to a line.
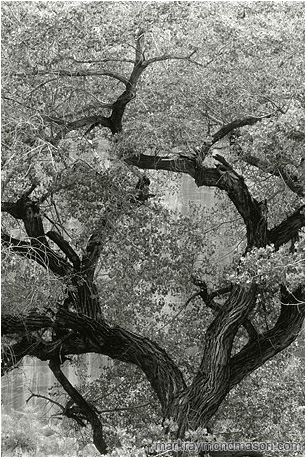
287,229
255,353
254,213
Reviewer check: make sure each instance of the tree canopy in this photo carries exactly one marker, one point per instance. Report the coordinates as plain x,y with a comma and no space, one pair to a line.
105,107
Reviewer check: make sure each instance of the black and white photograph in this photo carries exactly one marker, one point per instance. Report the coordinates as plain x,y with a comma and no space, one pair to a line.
152,196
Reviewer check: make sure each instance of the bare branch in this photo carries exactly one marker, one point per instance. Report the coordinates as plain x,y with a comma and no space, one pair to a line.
93,121
139,47
171,57
248,121
102,61
41,85
84,73
39,253
226,129
41,396
293,182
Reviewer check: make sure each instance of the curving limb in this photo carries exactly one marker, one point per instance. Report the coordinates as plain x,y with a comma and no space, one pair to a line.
87,410
97,336
222,176
40,253
287,229
236,124
211,383
286,329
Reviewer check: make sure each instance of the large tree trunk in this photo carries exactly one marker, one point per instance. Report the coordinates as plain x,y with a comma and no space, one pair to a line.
212,382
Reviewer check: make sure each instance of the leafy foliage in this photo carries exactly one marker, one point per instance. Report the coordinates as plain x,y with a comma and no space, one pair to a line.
269,268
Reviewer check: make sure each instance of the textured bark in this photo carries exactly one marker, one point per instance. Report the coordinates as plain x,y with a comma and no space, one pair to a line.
268,344
224,177
97,336
212,382
287,229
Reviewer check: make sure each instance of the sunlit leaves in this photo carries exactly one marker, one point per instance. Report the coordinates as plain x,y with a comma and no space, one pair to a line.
269,268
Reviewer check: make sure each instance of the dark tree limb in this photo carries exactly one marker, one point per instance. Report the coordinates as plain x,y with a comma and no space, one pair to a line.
39,253
28,211
171,57
13,354
97,336
117,343
225,130
32,345
94,246
67,411
236,124
93,120
24,324
84,73
208,299
57,238
179,164
267,345
114,121
287,229
143,189
88,411
223,176
41,396
211,383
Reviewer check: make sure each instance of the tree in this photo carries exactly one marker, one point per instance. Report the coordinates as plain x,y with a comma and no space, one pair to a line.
165,84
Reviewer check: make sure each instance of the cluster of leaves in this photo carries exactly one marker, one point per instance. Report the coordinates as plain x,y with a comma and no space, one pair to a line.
275,141
25,286
20,437
269,268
